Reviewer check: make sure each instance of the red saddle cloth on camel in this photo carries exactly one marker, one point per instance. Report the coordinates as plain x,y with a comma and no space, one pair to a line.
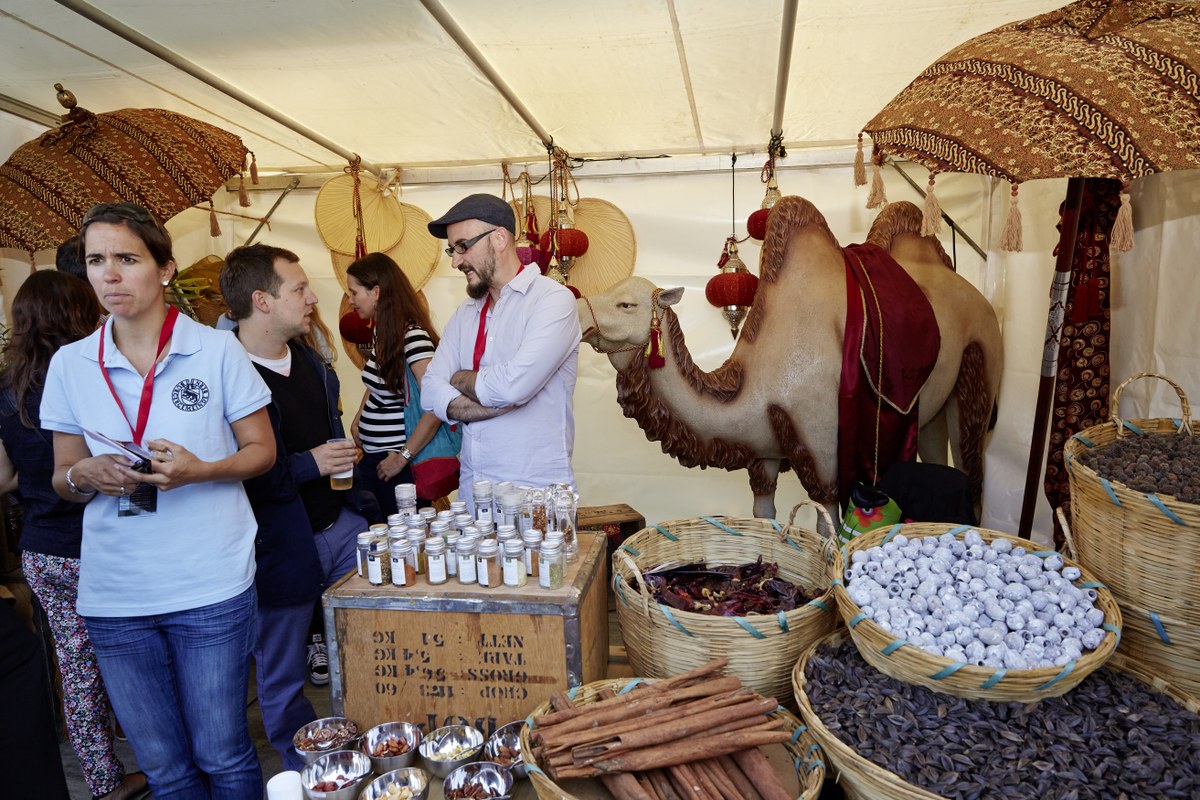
890,347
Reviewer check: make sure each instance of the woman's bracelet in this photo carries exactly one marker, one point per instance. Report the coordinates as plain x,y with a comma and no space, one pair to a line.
75,489
406,454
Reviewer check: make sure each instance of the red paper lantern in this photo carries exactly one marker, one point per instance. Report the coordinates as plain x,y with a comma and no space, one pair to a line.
731,289
572,242
756,225
355,329
528,253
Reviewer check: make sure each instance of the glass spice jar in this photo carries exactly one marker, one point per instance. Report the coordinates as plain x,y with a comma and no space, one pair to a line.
481,494
506,532
379,527
484,528
514,563
428,514
465,556
451,553
487,563
435,560
403,573
362,545
406,499
565,507
462,522
396,519
458,507
416,540
440,529
550,565
509,504
532,540
536,500
379,566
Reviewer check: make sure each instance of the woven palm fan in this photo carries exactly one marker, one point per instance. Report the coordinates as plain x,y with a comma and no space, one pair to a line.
383,219
612,245
417,252
204,288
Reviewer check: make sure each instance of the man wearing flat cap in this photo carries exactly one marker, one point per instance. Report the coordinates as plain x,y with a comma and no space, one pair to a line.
507,360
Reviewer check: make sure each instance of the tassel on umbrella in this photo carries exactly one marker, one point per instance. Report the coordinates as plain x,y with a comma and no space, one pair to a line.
931,219
1010,235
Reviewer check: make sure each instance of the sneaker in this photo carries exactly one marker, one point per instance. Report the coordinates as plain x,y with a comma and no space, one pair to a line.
318,661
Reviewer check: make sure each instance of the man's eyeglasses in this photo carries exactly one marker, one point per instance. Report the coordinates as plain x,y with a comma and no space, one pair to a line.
467,244
130,211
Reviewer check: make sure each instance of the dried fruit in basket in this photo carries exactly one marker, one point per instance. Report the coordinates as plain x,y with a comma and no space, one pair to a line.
725,590
1162,463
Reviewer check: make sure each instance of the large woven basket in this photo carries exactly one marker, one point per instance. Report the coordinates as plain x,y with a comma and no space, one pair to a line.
805,753
761,649
1145,547
862,779
908,662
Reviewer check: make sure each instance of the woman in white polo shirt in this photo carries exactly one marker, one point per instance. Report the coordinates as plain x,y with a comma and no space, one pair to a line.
167,561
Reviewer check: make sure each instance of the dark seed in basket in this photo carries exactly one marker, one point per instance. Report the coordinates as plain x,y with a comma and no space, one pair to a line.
1163,463
1109,736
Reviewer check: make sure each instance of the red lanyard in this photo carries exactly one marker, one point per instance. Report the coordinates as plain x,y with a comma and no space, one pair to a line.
481,336
148,384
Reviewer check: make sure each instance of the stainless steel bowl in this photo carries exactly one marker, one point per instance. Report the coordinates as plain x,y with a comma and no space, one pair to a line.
507,736
448,748
404,731
495,780
347,764
416,780
321,748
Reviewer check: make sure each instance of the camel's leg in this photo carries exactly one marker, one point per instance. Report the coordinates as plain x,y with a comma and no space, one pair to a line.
968,414
764,474
932,438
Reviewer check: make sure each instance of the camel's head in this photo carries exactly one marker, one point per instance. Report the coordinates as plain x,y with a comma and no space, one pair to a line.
619,320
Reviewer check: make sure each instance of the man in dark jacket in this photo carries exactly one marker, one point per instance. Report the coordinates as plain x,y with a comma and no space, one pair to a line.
307,529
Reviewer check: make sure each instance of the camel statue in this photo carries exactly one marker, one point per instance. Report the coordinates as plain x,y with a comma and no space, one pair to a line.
773,403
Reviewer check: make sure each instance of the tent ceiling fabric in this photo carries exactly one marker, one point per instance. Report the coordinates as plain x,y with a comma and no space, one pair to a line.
383,79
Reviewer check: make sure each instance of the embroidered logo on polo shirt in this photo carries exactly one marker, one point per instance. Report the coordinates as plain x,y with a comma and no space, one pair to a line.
190,394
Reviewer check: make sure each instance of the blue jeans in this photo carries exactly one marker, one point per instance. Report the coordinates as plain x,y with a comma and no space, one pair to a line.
281,671
178,682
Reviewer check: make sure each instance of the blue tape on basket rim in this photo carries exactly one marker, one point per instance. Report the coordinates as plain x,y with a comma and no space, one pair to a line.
792,542
796,734
631,550
814,747
750,629
816,762
819,603
782,617
666,612
529,722
1066,670
1092,585
1153,498
666,533
775,525
1108,626
617,584
1045,553
1127,424
948,670
722,526
959,530
797,765
891,533
1158,626
1069,460
1079,437
857,618
629,687
1178,422
995,678
530,767
1111,494
894,646
574,690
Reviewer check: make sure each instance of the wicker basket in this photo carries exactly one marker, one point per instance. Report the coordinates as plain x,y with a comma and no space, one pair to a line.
863,779
805,753
1145,547
899,659
761,649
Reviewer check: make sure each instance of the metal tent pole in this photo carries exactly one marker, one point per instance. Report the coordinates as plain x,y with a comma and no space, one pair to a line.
787,33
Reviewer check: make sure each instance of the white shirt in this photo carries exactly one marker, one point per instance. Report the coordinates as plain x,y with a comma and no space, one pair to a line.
199,548
530,362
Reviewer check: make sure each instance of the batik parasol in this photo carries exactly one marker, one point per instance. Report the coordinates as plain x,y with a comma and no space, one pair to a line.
1095,89
159,159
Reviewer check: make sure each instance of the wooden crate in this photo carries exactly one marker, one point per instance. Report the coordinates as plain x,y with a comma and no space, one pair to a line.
617,521
439,655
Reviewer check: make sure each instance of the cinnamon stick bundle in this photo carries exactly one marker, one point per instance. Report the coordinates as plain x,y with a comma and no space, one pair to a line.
677,752
678,728
758,770
739,778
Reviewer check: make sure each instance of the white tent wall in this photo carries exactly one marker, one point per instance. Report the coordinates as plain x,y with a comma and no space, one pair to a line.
680,221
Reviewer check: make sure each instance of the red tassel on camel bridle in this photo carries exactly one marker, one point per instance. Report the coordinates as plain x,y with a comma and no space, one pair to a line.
655,358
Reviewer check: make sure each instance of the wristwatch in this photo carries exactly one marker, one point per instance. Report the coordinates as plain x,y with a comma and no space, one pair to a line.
406,454
75,489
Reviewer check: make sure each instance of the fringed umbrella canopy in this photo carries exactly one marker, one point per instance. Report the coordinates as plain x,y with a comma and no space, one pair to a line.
164,161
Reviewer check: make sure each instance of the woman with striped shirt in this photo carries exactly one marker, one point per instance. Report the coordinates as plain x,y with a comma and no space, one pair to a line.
379,291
